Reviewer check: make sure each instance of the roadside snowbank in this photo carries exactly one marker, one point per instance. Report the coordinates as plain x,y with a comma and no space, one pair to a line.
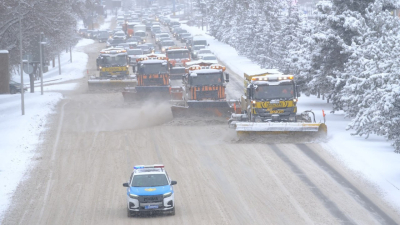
372,159
21,134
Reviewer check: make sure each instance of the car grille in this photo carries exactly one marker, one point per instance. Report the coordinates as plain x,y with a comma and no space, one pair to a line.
150,198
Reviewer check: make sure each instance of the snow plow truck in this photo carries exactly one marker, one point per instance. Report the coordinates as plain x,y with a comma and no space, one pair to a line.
113,68
203,92
152,79
269,106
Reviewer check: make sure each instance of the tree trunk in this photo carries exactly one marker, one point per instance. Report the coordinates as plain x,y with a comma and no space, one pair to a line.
318,94
54,61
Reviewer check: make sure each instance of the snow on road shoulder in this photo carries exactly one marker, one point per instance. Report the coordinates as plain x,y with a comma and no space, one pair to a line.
20,137
372,159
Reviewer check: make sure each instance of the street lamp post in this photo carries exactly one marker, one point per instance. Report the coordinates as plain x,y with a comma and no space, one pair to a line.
22,65
41,64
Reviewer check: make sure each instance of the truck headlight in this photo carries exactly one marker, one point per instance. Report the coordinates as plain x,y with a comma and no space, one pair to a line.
133,196
166,195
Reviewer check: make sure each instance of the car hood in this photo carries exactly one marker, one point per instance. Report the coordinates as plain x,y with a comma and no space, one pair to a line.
159,190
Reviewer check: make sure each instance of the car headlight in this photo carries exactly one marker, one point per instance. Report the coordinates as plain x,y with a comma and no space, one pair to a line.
133,196
100,67
166,195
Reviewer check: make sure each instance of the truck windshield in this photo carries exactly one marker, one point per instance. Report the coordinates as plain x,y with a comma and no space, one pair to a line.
178,54
206,79
274,92
118,60
153,68
149,180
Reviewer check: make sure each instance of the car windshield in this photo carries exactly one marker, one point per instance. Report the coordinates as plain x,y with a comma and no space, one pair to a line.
114,60
274,92
140,34
199,47
206,79
117,41
153,68
167,43
199,42
205,52
135,52
178,54
209,58
149,180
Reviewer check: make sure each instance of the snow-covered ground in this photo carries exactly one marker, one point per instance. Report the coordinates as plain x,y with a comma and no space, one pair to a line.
372,159
21,134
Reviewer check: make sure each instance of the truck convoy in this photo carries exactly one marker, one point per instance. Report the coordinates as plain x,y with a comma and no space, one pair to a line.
203,92
269,105
113,67
152,79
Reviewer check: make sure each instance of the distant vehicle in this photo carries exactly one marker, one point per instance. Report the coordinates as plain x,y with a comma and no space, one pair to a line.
133,55
196,40
164,39
145,48
161,35
103,36
119,34
209,58
166,44
115,42
82,32
203,52
149,189
135,39
196,49
181,35
151,46
15,87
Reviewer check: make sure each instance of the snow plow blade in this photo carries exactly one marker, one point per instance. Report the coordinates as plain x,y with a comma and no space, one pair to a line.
260,128
107,85
139,93
202,109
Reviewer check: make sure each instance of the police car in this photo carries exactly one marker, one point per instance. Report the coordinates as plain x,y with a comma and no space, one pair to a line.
150,190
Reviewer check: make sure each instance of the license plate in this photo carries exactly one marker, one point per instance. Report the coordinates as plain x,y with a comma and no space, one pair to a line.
276,111
151,207
113,69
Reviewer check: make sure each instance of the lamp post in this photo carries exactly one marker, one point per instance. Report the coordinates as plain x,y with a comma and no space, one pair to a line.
20,54
41,63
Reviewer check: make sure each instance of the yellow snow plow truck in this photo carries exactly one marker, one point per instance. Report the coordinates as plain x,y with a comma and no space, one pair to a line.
203,92
269,106
113,68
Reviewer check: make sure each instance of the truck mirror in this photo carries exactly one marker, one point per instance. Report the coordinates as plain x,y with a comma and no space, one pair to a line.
125,184
298,90
248,92
227,77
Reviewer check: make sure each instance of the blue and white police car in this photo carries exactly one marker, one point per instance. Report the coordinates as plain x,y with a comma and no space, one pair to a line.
150,190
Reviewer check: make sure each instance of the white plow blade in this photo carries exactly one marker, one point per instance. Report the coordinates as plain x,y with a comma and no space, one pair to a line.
262,126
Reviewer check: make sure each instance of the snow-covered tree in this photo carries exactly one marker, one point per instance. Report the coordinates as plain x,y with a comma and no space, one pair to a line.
371,94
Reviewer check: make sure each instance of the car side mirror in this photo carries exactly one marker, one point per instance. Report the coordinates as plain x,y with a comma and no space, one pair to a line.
227,77
125,184
173,182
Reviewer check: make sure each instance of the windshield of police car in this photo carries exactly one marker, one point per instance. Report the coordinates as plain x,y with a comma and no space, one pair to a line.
206,79
117,60
149,180
184,54
274,92
153,68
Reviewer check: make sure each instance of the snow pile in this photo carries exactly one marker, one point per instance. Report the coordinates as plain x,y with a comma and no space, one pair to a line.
20,137
372,159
